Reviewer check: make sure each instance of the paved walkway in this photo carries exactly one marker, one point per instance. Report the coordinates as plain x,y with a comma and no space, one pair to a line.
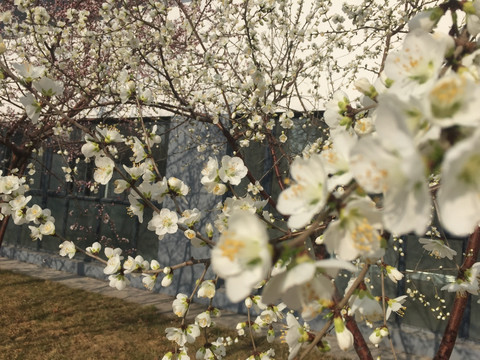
161,301
164,302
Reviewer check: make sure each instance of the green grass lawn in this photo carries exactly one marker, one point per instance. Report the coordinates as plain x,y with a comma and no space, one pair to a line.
44,320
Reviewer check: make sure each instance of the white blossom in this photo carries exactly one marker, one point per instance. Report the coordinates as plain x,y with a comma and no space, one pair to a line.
460,189
451,101
32,107
164,222
472,10
356,232
417,63
378,334
104,171
336,112
395,305
95,248
426,20
203,319
48,87
28,71
114,262
90,148
136,207
467,283
109,134
307,195
35,233
232,170
67,248
206,289
167,280
305,287
180,305
149,281
132,264
48,228
364,306
437,248
190,217
210,171
242,255
182,337
390,164
118,281
177,186
393,274
344,336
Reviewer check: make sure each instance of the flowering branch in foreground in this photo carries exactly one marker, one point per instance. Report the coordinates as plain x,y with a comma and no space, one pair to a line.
372,166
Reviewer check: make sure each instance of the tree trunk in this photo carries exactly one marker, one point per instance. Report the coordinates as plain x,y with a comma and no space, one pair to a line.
3,228
359,342
456,314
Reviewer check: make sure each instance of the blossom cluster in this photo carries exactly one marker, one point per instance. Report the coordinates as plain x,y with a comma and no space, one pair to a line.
387,160
14,203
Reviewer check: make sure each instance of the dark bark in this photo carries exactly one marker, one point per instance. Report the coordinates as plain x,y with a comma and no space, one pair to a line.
3,228
456,314
359,342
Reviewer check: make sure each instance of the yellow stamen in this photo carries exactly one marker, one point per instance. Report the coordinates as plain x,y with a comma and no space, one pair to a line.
230,247
364,236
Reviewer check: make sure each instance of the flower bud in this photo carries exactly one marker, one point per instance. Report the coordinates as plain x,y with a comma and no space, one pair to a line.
375,337
167,280
324,346
241,328
189,234
469,8
154,265
95,248
209,230
346,121
344,336
384,331
366,88
270,335
393,274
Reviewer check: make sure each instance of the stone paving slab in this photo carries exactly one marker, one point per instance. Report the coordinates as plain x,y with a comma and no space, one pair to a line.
164,304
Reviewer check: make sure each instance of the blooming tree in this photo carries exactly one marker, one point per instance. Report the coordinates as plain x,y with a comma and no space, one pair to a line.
380,164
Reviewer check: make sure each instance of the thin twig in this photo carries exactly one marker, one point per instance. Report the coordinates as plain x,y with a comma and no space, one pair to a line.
384,309
339,306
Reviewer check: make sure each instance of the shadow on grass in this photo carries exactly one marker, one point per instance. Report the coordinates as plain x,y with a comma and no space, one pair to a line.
45,320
